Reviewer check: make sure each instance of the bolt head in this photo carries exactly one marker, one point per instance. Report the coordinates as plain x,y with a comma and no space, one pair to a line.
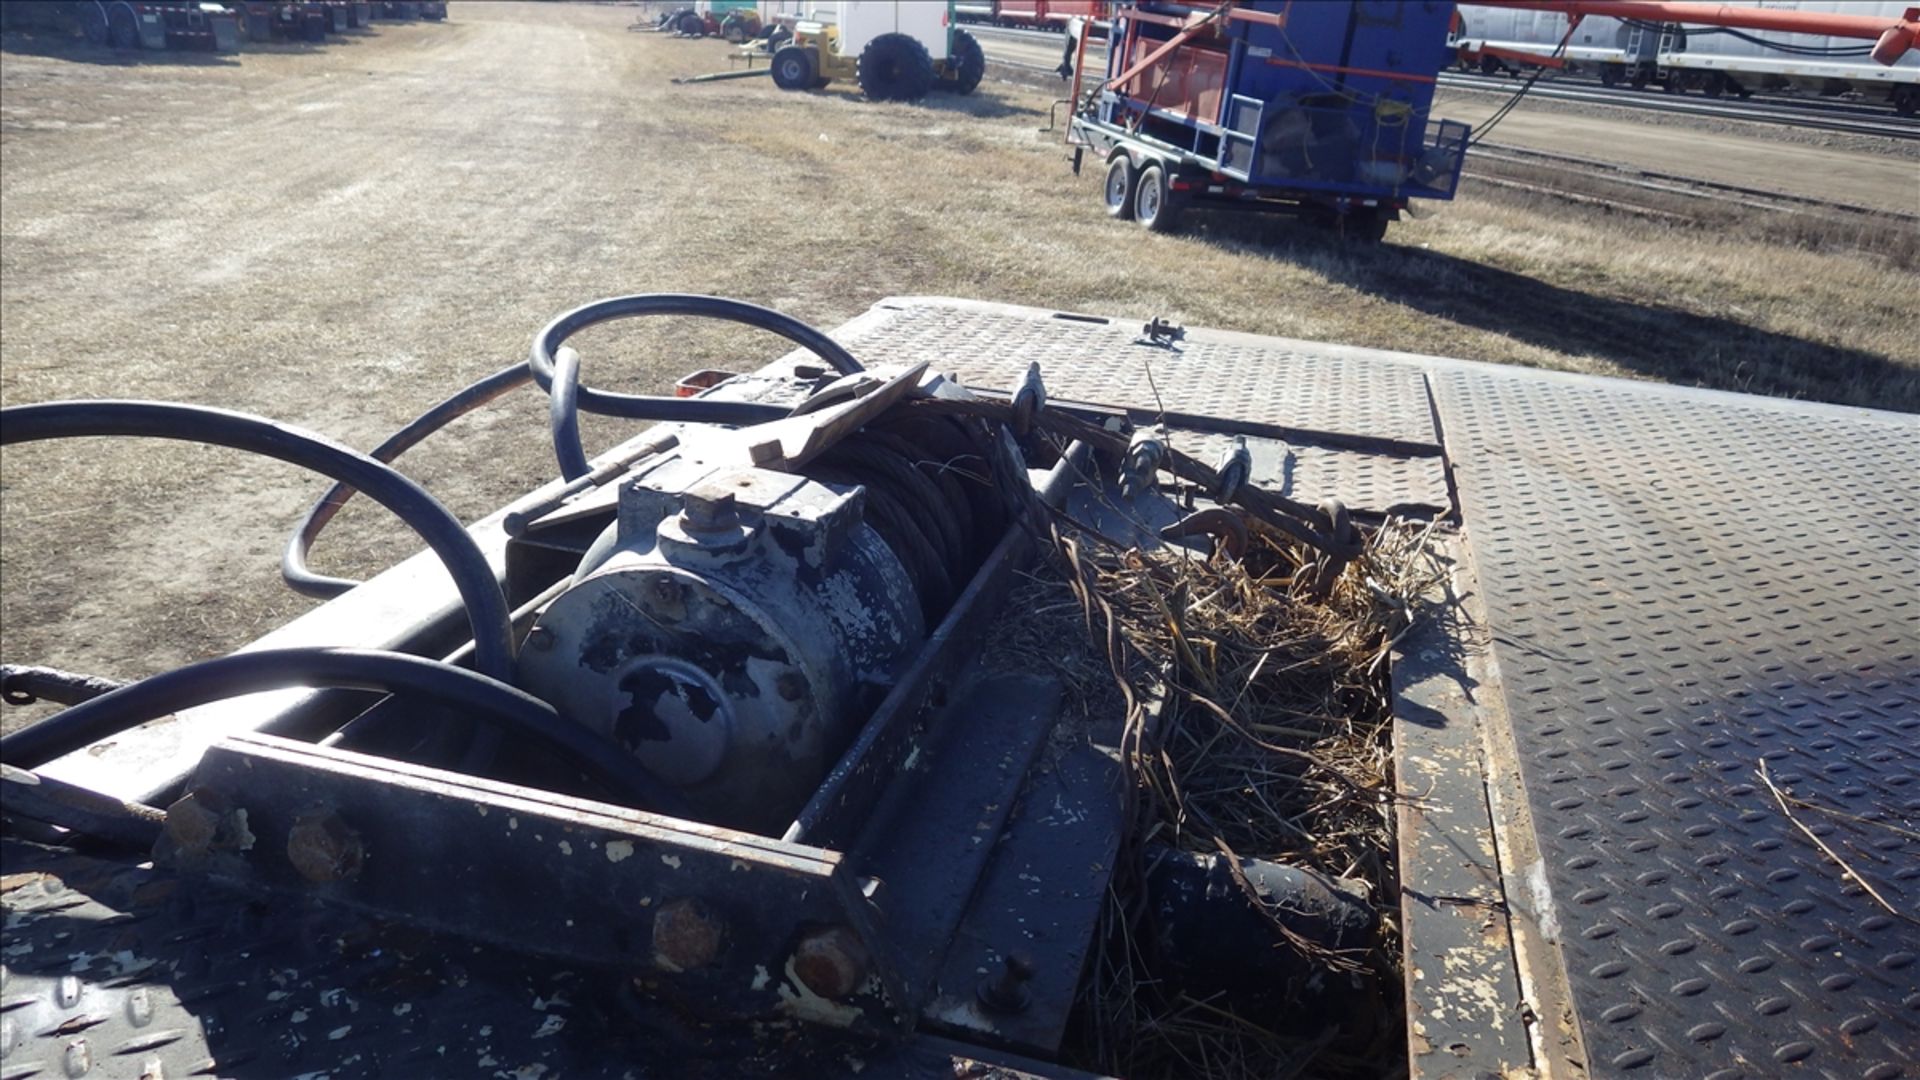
193,822
832,962
323,849
688,933
709,511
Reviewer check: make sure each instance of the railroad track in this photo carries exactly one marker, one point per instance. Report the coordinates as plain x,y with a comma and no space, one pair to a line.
1040,51
1822,116
1633,178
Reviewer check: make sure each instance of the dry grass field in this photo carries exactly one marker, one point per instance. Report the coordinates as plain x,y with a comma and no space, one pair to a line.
340,236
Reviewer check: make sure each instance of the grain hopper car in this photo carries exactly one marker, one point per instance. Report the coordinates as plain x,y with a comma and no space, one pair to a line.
1677,56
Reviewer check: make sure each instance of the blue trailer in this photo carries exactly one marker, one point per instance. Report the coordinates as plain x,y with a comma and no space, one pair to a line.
1313,109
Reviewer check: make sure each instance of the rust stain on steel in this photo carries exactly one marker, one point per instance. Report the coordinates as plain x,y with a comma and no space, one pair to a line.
687,934
323,848
832,962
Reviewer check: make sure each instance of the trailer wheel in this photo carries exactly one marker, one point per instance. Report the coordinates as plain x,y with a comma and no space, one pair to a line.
1610,75
734,29
1154,204
93,23
691,24
778,36
1119,189
967,66
1366,226
1906,100
895,67
123,32
793,68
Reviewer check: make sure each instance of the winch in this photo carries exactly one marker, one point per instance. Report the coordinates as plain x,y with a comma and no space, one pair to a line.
733,625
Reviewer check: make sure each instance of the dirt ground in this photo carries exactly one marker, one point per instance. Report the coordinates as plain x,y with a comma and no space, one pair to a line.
340,236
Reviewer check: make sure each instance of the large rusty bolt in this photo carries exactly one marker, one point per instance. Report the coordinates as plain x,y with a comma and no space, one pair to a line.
193,822
687,934
322,848
1008,992
832,962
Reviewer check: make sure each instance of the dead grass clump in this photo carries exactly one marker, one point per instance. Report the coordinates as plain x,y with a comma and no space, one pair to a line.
1269,741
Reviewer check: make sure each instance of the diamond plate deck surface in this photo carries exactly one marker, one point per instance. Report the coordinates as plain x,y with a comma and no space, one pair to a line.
1098,361
1414,485
1231,378
1681,586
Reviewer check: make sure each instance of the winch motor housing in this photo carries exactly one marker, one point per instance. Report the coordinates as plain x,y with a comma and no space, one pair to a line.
730,629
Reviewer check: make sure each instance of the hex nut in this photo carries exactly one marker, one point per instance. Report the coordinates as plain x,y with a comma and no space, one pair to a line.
193,822
688,933
323,849
832,962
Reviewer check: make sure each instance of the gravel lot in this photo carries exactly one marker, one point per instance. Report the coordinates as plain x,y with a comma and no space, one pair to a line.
340,236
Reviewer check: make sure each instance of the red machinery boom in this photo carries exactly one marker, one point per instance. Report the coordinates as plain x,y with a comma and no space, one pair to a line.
1892,37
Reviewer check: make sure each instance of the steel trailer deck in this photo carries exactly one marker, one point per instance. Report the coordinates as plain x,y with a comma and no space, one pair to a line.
1657,591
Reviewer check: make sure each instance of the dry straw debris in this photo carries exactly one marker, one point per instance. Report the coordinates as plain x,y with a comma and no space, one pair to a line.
1257,726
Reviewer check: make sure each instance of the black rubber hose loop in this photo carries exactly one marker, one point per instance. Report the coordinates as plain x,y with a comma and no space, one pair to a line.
353,669
566,405
486,604
649,407
563,415
293,562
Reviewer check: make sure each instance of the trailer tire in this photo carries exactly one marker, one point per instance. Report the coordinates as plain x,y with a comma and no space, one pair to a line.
793,68
895,67
735,30
967,66
778,36
1154,201
691,24
1366,226
93,24
1118,193
123,32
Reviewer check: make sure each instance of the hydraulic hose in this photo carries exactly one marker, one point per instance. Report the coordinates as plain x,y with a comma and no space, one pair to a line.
649,407
293,563
480,592
354,669
568,400
563,415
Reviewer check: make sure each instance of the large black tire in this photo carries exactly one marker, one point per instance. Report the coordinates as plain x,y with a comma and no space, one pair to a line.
1366,225
735,30
1155,204
777,36
691,24
967,66
895,67
123,32
93,23
1118,192
793,68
